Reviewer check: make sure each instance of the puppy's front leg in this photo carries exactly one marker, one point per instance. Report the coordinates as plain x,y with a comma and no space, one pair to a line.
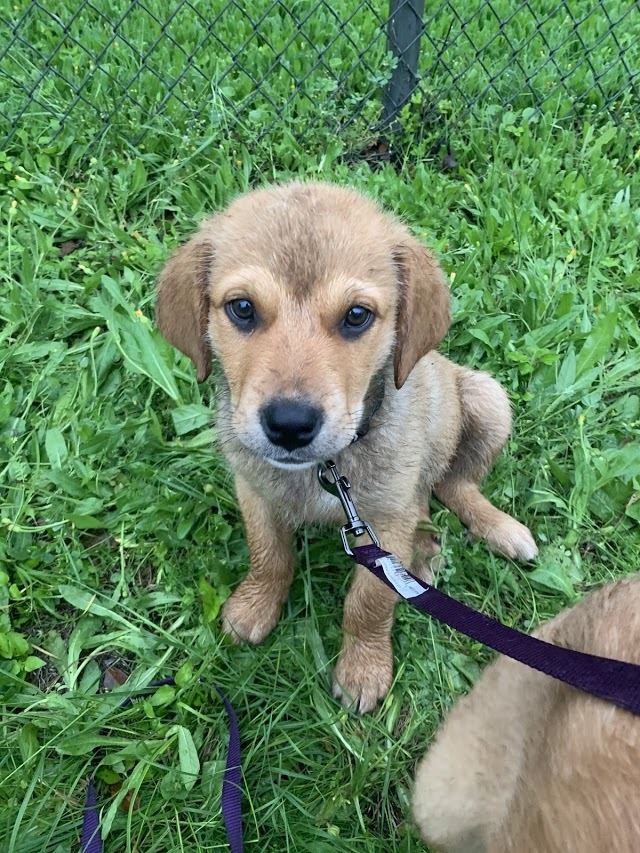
254,608
365,666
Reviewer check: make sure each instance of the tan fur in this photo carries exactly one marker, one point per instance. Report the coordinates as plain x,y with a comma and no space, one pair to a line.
304,254
525,764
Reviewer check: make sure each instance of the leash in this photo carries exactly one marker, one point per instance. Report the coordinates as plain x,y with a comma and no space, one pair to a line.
612,680
91,840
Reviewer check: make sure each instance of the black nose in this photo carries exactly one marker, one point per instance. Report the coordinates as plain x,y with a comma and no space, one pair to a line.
290,423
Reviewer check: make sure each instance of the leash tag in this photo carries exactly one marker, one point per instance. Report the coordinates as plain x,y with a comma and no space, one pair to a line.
399,577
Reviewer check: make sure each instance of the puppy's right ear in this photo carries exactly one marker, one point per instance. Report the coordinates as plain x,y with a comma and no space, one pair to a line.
182,304
424,310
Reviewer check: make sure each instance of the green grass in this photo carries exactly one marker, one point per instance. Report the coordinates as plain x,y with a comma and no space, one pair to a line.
119,532
223,69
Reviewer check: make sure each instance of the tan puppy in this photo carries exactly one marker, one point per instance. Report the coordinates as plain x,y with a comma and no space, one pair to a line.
525,764
323,313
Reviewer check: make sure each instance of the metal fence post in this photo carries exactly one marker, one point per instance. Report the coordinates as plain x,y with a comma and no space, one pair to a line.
404,34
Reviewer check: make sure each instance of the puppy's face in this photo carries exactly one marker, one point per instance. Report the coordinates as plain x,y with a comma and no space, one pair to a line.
304,293
302,316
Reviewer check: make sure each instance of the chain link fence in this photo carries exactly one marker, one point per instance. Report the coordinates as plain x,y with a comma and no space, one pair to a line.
140,70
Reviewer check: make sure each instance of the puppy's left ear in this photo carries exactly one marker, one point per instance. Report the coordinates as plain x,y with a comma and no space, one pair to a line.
424,309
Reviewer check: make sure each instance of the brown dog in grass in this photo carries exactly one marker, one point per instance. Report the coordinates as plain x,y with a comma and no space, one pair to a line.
525,764
323,313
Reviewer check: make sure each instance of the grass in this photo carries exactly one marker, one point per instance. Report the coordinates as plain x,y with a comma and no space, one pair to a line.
120,536
196,69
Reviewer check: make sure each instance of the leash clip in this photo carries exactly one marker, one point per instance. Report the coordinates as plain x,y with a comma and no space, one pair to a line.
340,488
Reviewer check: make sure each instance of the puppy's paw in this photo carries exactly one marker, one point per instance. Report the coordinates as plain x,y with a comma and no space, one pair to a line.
427,559
512,539
363,675
250,614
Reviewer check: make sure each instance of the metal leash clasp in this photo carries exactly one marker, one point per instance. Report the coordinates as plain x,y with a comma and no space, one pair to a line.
340,488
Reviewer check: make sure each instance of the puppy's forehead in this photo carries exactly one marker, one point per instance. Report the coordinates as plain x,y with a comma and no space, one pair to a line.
308,234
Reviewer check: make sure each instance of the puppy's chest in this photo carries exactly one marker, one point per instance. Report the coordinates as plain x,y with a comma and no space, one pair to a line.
298,498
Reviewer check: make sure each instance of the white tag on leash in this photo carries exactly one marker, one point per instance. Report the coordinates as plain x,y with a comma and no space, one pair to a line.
399,578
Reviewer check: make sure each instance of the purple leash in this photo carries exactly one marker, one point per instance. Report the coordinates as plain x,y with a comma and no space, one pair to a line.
615,681
612,680
231,783
91,840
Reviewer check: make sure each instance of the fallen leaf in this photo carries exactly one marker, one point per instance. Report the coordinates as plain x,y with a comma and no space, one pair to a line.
114,677
125,805
70,246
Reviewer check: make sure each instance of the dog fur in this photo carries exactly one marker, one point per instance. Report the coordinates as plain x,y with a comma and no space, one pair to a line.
526,764
304,254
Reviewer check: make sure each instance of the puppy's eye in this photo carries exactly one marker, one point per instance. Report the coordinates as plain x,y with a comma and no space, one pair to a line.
242,313
356,320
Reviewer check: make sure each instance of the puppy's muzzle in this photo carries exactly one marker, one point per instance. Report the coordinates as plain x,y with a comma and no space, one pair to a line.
290,423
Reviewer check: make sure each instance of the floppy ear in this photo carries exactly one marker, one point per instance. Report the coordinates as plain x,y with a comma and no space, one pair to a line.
182,303
424,311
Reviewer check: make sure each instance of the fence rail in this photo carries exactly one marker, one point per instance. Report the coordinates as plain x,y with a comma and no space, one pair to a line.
137,69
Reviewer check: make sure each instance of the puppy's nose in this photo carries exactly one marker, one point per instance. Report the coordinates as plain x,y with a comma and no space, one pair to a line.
290,423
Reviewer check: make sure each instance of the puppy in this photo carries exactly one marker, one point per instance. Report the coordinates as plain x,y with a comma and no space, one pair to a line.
526,764
323,314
